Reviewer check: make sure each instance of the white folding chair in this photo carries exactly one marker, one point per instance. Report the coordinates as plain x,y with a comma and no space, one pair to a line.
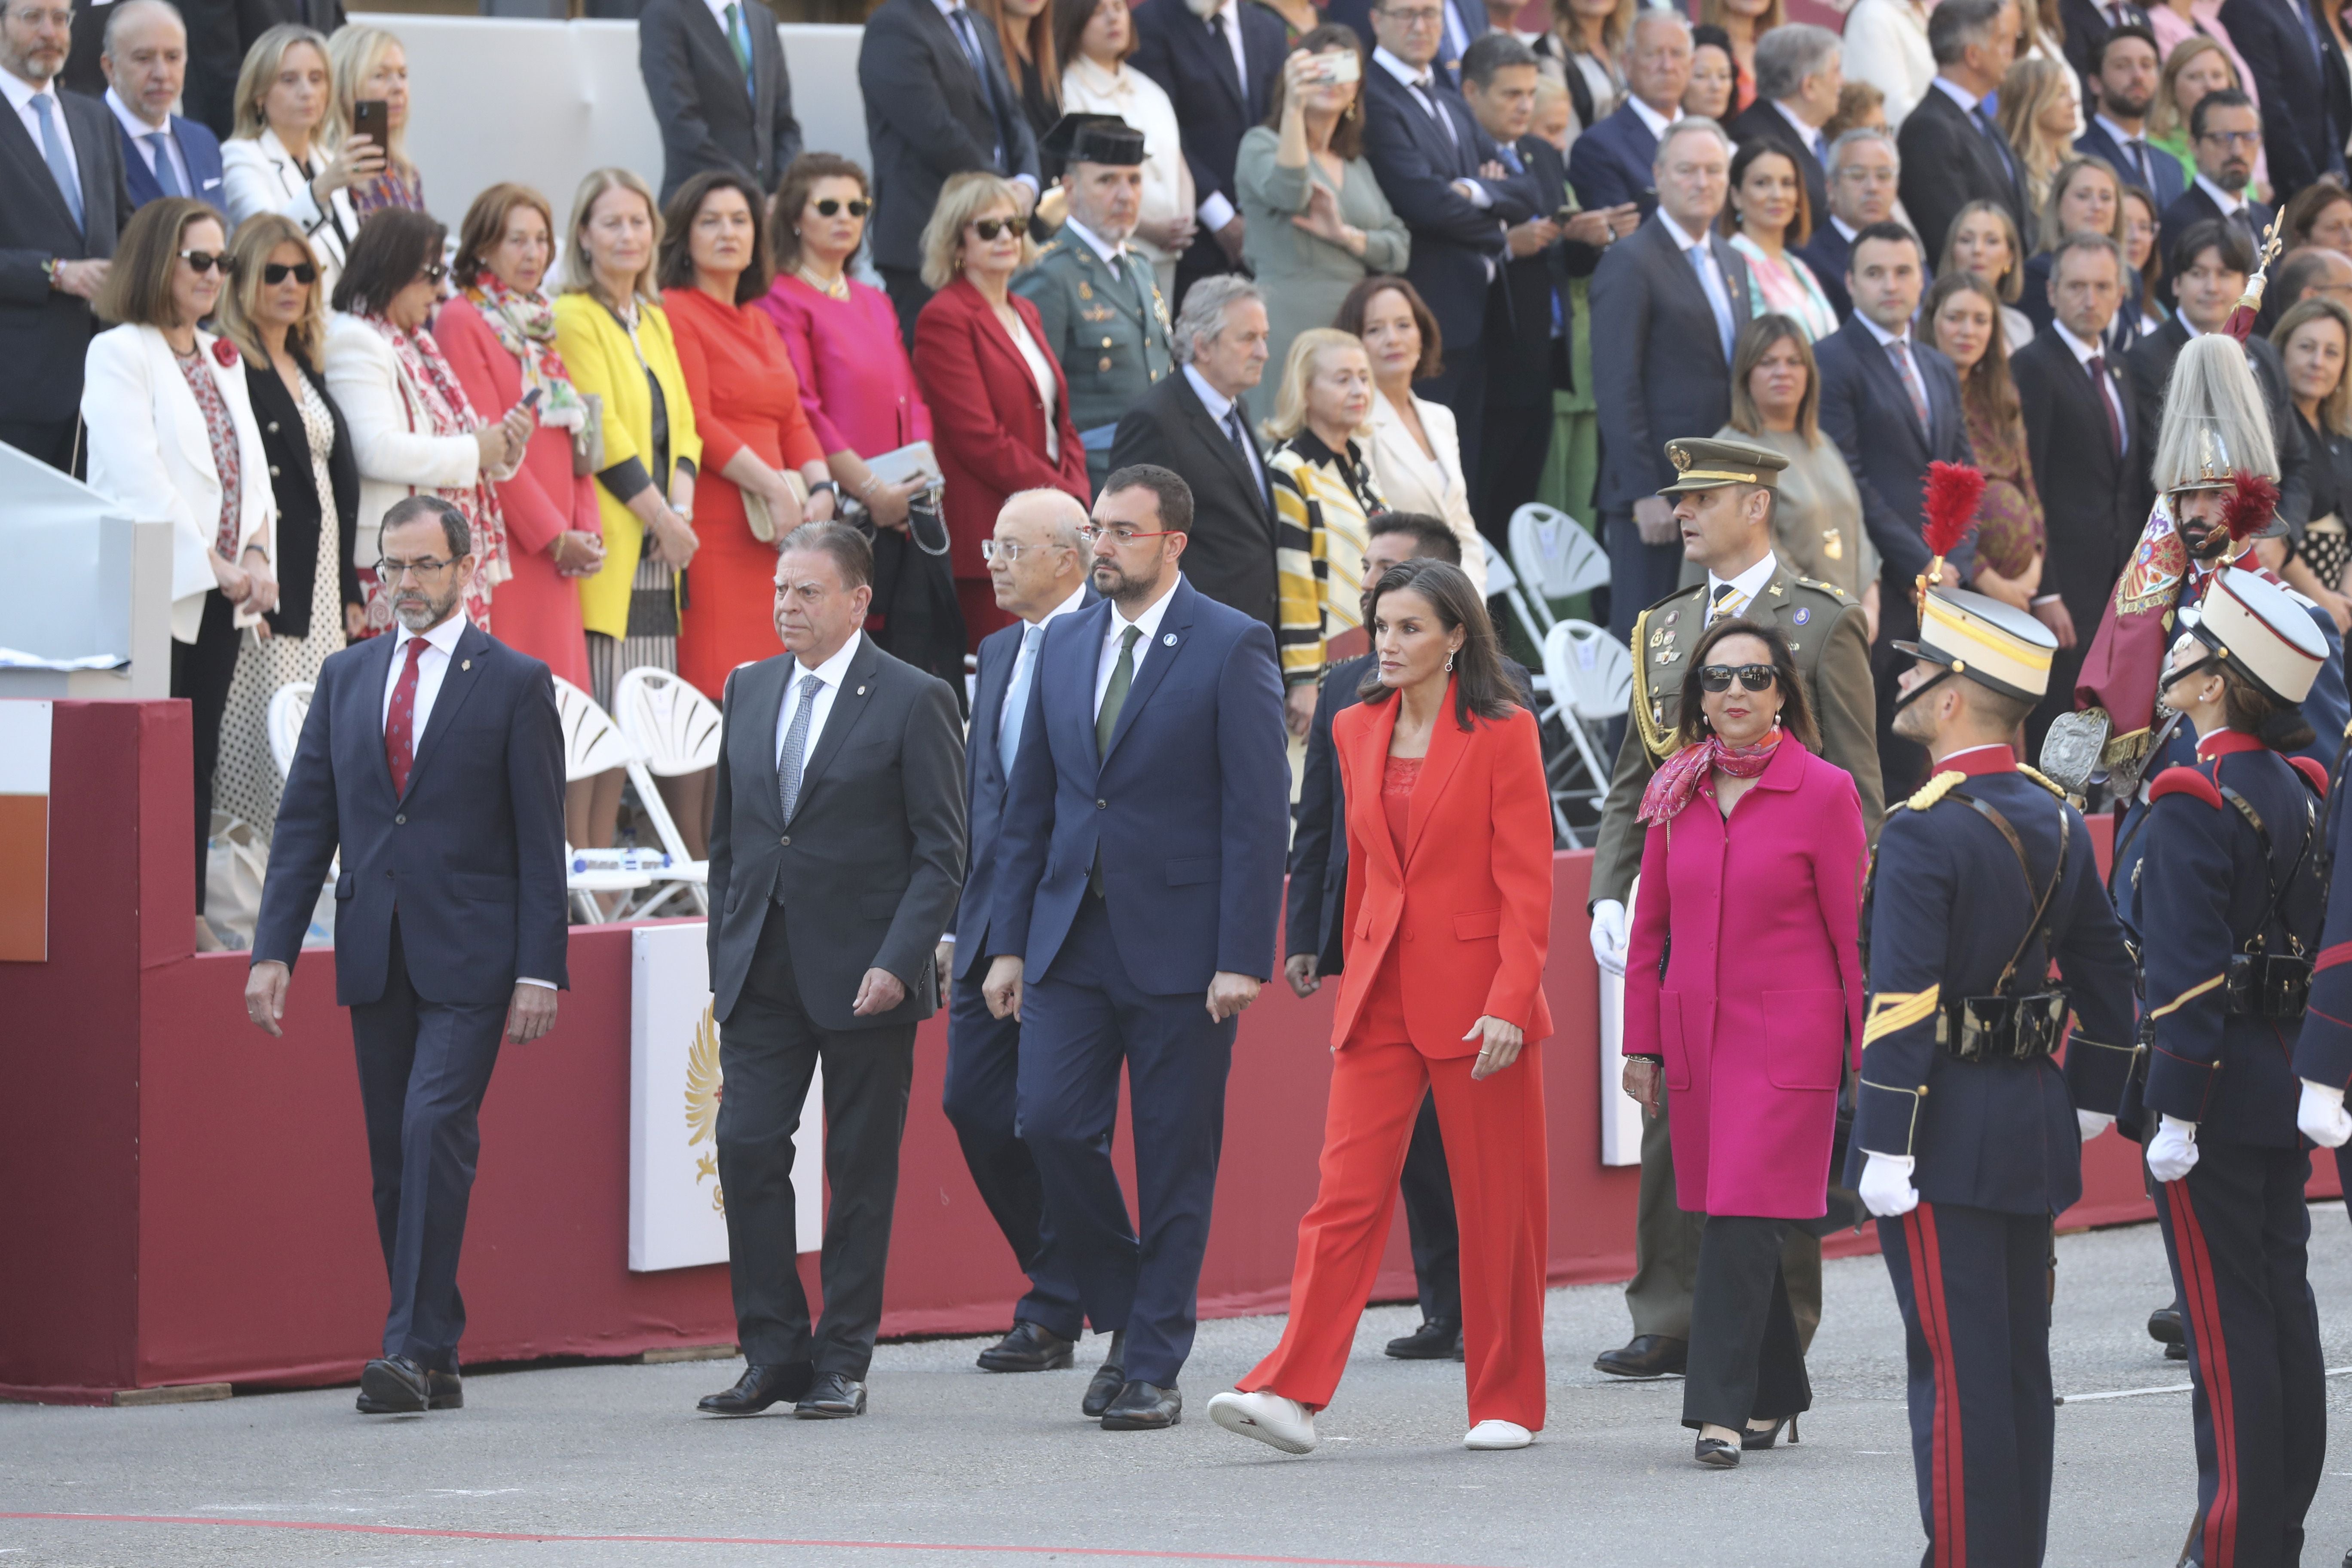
1554,557
1503,582
1592,677
290,705
593,744
673,730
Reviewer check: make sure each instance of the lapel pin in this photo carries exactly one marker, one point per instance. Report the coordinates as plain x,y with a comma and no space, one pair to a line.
1169,640
465,664
861,691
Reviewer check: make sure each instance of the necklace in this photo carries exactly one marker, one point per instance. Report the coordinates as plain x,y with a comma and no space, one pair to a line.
833,288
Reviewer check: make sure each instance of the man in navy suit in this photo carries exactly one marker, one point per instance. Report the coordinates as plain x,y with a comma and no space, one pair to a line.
432,760
2306,94
2085,25
1864,171
1139,893
2225,137
1037,564
2125,70
1668,301
1610,163
1953,152
1218,61
1799,75
1461,23
1893,406
146,63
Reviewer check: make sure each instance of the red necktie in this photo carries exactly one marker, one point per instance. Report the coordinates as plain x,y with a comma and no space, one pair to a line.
400,723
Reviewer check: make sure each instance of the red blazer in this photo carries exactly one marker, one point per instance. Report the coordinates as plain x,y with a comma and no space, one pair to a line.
1471,900
988,422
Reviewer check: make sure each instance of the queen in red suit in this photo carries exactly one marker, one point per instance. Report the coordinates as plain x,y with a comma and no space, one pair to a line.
1743,986
1448,921
999,405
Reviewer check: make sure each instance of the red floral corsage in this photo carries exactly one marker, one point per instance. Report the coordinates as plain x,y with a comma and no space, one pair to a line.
225,352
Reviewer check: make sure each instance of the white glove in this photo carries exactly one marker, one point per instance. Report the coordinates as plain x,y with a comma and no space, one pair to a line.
1609,936
2091,1123
2322,1117
2172,1153
1887,1190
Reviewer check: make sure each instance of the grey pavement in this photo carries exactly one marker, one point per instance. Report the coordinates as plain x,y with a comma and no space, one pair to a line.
955,1465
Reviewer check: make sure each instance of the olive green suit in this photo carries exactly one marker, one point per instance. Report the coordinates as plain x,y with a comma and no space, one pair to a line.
1109,331
1830,636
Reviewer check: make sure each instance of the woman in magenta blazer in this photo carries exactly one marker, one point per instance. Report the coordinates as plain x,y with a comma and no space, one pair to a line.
1000,406
1743,989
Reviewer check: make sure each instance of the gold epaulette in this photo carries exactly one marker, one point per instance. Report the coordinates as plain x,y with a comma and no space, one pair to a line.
2046,783
1935,789
1831,589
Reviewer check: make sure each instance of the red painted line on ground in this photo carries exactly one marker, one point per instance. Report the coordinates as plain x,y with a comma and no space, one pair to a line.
330,1526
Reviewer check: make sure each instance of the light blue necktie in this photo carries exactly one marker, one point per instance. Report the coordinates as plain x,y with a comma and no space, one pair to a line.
53,148
160,143
1016,697
1510,157
1717,297
795,754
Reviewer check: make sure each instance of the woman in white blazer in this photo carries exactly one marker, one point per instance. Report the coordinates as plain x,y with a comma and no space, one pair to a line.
173,439
288,154
1416,450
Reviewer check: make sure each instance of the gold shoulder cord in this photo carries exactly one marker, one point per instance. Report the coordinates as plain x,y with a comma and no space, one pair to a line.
1655,738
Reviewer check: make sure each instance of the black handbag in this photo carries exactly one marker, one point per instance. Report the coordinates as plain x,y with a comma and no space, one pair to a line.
920,619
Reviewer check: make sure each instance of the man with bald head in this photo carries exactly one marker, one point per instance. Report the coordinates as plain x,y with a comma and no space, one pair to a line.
1037,565
145,59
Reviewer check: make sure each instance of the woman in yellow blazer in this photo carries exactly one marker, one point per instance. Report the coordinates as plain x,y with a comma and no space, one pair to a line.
616,341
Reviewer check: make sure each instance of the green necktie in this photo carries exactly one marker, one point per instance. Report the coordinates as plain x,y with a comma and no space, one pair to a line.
1122,676
737,38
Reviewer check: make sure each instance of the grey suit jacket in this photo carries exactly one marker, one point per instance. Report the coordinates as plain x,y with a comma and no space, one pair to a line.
709,118
1658,364
44,334
866,873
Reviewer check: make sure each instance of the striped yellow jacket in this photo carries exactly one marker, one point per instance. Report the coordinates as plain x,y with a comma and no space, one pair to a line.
1322,501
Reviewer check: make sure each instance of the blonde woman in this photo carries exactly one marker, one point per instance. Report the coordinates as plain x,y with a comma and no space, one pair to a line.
2199,64
1324,494
616,347
288,154
370,65
2037,114
1983,242
2086,196
1584,50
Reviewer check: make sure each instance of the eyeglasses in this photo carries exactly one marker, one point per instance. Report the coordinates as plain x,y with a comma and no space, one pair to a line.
1754,677
388,571
1123,533
1007,551
274,272
858,207
2234,138
201,261
990,227
434,272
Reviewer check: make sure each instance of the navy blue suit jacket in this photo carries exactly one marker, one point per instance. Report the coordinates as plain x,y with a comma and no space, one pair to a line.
1658,365
1178,51
472,854
2169,180
2306,97
1612,163
199,148
1829,254
1454,239
1188,809
1866,410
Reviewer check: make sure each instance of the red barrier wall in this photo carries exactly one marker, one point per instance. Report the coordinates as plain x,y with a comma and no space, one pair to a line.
183,1199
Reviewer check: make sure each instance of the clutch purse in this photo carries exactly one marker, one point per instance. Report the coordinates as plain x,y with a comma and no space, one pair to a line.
756,515
913,461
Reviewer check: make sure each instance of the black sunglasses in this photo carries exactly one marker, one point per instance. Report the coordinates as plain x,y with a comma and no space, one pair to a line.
990,227
858,206
275,273
1754,677
434,272
204,260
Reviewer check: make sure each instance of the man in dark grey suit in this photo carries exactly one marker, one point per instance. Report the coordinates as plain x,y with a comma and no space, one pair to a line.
62,204
1953,153
1798,78
715,74
836,854
938,102
1668,301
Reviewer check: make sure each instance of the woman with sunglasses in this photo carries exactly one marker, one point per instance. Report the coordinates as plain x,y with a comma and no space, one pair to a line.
412,423
998,396
274,309
173,436
1749,1020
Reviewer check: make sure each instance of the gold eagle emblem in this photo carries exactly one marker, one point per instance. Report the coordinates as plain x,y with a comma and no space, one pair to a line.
703,1090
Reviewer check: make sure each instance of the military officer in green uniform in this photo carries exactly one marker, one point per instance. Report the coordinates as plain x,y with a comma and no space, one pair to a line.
1723,494
1104,316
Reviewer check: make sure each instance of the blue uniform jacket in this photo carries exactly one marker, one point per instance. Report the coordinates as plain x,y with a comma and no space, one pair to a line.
2324,1054
1950,908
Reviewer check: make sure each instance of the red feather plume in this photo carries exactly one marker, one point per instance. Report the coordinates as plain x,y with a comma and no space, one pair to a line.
1954,492
2254,501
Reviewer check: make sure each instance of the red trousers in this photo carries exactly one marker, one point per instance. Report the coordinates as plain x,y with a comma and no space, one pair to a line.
1494,1132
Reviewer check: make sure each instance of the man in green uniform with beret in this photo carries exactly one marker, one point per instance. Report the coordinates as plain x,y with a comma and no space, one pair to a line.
1104,317
1723,496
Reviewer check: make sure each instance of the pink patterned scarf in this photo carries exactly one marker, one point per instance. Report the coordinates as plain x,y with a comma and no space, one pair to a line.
1679,777
436,405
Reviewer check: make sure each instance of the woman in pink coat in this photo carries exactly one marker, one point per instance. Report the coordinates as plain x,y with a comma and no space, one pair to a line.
1743,989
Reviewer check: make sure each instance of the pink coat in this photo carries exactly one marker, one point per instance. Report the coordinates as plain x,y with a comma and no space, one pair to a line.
1759,1010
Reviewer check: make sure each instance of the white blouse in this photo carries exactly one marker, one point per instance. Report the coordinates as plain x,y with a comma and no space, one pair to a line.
1143,103
1042,369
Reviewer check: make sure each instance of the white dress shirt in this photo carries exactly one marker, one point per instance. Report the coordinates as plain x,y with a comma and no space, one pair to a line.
1744,587
19,93
1967,100
1649,116
2083,353
832,672
2232,203
1421,83
1113,255
1219,406
1910,362
1216,210
1718,287
2126,141
152,142
1148,622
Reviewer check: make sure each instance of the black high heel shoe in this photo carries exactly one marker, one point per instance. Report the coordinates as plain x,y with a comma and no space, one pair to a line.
1716,1455
1765,1438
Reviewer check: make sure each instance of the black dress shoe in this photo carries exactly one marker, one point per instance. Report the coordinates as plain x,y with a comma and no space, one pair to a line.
1437,1339
1027,1348
833,1397
446,1390
394,1385
1646,1355
2176,1352
759,1387
2164,1327
1107,1380
1144,1407
1718,1455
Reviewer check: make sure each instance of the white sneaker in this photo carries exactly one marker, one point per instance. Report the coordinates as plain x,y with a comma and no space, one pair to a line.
1490,1435
1276,1422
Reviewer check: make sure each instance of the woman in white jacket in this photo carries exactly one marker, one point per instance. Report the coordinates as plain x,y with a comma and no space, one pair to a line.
1416,448
173,439
288,154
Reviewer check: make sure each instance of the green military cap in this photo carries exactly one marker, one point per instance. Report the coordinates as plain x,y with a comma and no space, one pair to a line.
1710,464
1094,139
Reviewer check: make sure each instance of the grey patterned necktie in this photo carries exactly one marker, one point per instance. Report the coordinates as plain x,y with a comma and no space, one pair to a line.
796,753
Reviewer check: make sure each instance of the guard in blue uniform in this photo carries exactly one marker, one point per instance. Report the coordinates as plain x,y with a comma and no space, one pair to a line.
1968,1133
2232,867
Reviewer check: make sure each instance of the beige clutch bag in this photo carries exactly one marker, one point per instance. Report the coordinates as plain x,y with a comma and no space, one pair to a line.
762,521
